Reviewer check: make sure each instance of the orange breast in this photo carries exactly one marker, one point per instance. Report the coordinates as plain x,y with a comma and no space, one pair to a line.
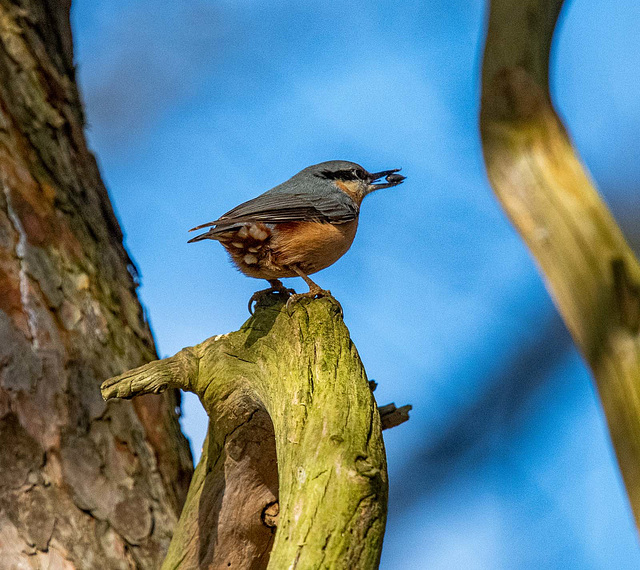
311,245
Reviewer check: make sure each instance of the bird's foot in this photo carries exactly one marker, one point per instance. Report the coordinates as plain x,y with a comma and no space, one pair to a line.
276,287
313,293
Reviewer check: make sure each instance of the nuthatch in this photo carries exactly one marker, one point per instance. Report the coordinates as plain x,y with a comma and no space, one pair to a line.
299,227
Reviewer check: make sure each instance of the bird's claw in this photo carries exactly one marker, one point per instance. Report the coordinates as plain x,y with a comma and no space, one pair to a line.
311,294
259,295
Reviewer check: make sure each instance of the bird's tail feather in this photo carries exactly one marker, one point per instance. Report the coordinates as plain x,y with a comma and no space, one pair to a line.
207,225
215,233
206,235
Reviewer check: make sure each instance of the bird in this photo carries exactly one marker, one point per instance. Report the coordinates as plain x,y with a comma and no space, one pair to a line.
299,227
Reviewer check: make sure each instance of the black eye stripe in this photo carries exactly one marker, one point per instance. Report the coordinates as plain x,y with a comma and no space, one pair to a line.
342,174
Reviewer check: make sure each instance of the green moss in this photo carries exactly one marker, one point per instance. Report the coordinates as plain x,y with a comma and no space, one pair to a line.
302,370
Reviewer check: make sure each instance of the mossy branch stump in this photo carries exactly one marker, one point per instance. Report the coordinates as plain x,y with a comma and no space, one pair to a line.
293,471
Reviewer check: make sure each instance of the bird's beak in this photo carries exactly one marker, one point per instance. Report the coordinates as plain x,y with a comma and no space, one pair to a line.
392,179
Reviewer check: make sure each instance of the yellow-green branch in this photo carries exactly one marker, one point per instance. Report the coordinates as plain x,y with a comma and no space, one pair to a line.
589,269
294,444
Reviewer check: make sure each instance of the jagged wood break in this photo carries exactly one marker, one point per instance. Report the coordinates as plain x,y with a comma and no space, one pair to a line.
294,444
590,271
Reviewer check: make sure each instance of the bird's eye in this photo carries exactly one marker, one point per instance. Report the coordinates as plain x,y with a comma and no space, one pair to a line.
361,174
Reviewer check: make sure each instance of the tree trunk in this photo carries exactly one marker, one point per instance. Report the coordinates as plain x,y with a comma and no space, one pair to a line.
294,444
83,484
588,267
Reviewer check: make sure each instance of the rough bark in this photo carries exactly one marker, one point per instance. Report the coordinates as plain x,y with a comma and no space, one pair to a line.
590,271
83,484
294,443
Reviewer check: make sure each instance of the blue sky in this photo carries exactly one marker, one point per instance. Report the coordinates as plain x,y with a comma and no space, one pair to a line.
196,106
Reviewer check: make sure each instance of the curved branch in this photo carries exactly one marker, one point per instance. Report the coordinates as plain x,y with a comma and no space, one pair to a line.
294,442
589,269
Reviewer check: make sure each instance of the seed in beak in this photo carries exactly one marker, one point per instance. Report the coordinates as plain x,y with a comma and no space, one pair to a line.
394,178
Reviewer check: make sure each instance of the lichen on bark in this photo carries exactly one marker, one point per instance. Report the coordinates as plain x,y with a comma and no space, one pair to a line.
294,443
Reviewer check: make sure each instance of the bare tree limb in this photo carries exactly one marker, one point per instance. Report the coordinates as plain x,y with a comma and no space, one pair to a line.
590,271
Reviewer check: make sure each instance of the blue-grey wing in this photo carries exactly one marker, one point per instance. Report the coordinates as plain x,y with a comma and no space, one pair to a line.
280,207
